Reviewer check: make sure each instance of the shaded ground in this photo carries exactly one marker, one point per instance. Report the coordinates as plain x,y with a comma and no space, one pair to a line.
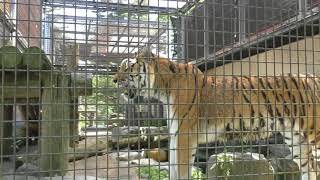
104,166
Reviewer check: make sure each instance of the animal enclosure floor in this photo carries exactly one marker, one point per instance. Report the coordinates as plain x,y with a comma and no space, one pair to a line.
105,166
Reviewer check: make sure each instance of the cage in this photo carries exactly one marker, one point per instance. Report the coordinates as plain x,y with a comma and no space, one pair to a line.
159,89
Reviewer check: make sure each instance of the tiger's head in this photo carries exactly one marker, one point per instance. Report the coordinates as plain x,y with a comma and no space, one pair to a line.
132,74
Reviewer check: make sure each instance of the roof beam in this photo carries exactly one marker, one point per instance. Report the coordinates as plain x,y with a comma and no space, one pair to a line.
98,34
133,23
107,6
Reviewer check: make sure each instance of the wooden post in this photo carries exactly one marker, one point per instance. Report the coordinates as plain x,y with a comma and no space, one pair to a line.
6,123
74,122
71,53
71,56
81,85
54,138
6,147
1,136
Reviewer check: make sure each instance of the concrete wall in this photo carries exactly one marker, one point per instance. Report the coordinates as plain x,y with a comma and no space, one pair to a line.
298,57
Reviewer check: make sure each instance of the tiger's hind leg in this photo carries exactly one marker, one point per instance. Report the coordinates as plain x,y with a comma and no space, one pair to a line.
314,138
301,153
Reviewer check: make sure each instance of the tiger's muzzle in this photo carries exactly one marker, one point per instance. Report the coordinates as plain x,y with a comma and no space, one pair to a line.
129,91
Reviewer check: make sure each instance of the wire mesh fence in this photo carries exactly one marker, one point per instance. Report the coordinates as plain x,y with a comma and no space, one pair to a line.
159,89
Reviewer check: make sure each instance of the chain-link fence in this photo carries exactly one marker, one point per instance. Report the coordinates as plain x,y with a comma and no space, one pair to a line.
159,89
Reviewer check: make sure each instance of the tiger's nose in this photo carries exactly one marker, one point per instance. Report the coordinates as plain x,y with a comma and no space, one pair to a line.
115,81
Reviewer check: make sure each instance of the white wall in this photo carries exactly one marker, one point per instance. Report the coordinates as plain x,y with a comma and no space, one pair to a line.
298,57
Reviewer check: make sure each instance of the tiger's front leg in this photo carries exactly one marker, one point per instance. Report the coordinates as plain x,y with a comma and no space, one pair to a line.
182,148
301,154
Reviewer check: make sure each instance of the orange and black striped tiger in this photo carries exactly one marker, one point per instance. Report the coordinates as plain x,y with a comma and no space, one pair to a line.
206,108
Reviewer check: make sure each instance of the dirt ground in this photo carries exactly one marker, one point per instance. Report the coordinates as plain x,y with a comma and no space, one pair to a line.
105,166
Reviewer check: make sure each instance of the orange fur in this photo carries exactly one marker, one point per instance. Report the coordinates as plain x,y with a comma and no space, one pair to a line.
210,108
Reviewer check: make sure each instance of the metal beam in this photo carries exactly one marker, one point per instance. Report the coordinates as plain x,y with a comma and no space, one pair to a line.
119,37
97,34
133,23
107,6
152,40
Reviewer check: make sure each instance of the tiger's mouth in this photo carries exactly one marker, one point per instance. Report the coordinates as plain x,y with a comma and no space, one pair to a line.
130,93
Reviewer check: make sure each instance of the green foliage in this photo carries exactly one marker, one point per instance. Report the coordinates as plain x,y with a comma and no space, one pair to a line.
197,174
154,173
103,98
225,164
163,18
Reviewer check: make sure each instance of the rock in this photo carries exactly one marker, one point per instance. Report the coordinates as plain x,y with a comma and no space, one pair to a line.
145,162
28,169
87,148
270,148
116,118
128,156
29,159
98,128
150,162
157,154
285,169
24,177
279,151
231,166
115,115
127,131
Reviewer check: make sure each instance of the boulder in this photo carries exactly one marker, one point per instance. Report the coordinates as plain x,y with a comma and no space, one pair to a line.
157,154
29,169
128,156
285,169
232,166
146,162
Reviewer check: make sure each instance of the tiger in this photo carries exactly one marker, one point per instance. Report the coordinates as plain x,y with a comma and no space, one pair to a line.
205,108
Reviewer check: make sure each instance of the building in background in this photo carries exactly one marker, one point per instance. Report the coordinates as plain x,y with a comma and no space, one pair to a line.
215,30
20,22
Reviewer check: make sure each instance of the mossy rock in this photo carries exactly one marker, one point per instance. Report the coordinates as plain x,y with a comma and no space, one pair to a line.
239,166
10,57
35,58
285,169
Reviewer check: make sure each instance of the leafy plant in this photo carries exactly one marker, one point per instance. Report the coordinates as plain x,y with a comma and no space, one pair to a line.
224,163
163,18
197,174
154,173
103,100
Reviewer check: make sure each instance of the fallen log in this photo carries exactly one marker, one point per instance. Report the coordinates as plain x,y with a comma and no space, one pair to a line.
139,137
87,149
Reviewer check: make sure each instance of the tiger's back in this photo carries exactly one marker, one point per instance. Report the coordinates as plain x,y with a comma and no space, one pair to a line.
254,107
